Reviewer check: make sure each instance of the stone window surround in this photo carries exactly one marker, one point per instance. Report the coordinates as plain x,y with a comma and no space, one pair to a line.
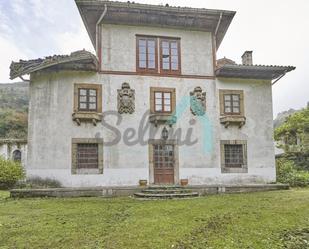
228,119
152,142
244,168
75,141
97,87
162,89
222,92
87,116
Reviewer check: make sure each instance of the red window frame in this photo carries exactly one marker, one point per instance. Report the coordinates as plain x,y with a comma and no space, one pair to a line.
146,69
170,54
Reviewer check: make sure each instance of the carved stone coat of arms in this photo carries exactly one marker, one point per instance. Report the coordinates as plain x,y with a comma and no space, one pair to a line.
126,99
198,101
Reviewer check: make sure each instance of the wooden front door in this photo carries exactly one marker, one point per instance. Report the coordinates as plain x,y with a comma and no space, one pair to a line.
164,163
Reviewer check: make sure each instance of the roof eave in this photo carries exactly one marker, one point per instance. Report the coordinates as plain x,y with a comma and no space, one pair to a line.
253,72
154,15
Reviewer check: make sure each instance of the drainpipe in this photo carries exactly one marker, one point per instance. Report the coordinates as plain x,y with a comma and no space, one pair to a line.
214,41
98,35
218,25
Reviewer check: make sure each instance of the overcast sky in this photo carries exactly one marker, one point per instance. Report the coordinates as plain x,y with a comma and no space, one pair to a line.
277,32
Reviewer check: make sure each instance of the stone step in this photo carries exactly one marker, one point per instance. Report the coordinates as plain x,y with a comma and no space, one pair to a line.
165,187
167,191
166,196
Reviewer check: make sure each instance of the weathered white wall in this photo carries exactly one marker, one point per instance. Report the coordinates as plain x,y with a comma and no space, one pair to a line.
51,129
119,48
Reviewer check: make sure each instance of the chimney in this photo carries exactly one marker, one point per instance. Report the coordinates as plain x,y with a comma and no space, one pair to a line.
247,58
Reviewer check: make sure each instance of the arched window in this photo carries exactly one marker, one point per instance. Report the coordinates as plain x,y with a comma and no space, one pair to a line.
17,155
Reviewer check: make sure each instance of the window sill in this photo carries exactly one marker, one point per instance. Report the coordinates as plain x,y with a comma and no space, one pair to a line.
92,117
88,172
233,120
176,73
234,170
161,118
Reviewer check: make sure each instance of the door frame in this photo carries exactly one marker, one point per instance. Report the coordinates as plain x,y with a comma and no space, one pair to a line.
151,144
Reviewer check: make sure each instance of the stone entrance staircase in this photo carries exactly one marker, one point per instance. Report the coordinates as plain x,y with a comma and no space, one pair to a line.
166,192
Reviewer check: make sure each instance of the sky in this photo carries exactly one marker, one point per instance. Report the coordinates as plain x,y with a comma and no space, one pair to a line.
276,31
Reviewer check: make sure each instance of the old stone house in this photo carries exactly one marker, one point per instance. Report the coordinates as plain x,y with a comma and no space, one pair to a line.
115,118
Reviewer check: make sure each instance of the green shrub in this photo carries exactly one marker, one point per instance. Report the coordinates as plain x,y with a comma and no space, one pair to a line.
287,173
10,173
39,183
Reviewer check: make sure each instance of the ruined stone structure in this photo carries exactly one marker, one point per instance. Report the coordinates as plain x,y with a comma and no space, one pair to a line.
14,149
152,104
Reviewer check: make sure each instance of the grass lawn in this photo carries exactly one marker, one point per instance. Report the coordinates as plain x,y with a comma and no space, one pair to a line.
241,221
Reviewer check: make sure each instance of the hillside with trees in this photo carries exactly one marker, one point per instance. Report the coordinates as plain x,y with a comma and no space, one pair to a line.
14,100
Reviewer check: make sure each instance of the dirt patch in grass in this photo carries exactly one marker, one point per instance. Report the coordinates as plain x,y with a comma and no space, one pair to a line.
296,239
198,238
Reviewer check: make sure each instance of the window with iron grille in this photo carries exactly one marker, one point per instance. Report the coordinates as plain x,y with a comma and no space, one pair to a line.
170,55
232,103
233,155
147,57
87,156
87,99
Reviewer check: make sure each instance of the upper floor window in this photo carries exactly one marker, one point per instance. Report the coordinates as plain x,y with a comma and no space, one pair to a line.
231,102
147,60
162,100
170,56
87,99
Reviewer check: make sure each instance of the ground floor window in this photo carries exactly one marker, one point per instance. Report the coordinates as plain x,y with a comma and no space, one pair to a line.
87,156
234,156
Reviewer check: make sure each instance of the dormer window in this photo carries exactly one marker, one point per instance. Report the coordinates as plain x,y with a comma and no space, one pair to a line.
147,60
170,56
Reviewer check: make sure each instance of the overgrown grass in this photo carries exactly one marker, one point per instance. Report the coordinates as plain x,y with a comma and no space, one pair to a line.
267,220
4,194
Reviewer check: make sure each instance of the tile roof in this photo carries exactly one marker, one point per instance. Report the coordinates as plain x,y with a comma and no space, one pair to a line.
79,60
269,72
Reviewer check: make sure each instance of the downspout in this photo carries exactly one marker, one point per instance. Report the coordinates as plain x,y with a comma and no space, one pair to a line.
214,42
98,36
218,25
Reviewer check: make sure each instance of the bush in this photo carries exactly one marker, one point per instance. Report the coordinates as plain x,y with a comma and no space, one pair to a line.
287,173
38,183
10,173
